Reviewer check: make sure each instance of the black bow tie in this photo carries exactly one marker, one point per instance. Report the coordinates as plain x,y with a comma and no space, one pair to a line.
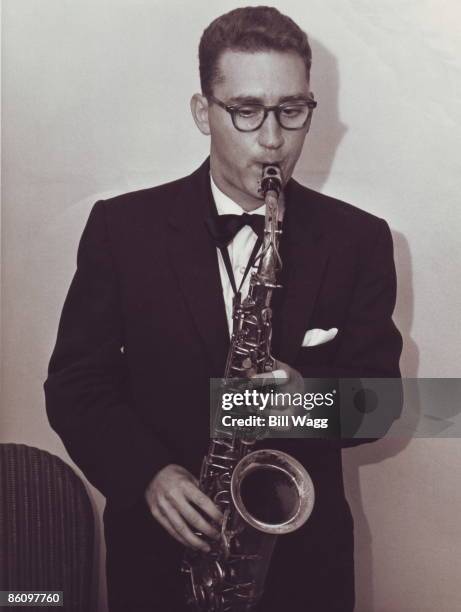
223,228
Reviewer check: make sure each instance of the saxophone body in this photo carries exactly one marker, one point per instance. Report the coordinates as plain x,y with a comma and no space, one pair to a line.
261,493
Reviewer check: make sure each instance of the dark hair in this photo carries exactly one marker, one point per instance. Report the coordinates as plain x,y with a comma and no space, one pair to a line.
252,29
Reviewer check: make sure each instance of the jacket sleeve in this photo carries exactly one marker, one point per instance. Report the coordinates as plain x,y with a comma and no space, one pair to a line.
87,396
370,344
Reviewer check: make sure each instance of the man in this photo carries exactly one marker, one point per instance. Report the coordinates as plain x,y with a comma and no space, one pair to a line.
146,324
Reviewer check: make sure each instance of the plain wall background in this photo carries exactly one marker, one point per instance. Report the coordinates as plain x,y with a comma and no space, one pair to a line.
96,102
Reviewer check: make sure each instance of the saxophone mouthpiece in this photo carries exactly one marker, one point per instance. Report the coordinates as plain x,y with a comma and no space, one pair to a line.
271,179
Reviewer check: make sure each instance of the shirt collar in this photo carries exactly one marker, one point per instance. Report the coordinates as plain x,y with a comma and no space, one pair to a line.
226,206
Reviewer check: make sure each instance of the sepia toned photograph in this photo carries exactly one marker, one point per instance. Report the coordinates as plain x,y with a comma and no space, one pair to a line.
230,348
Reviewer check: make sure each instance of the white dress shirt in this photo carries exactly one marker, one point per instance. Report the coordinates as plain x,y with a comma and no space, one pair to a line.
239,249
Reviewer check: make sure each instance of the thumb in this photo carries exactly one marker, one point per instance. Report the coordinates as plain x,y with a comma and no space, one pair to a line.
276,377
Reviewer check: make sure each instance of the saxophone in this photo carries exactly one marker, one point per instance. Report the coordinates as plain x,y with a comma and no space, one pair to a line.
261,493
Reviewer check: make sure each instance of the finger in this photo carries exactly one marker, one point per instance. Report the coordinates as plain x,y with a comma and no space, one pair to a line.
276,377
186,476
201,500
194,519
189,478
182,529
166,524
181,499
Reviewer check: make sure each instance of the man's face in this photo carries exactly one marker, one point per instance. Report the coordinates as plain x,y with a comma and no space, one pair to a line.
237,158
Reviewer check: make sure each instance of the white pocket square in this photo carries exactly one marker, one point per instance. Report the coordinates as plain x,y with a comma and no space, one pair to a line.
314,337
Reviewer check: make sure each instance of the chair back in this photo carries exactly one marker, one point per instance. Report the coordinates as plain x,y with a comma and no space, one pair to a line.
46,526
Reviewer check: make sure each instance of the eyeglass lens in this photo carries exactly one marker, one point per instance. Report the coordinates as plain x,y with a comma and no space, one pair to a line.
251,117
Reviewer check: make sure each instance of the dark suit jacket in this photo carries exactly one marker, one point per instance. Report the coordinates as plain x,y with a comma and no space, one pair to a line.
144,328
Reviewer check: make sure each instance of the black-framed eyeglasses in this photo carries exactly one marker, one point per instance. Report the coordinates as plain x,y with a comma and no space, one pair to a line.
249,117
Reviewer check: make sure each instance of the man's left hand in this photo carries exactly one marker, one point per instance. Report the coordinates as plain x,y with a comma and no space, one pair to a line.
282,375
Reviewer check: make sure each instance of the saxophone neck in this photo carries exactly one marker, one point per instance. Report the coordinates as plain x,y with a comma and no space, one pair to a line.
271,188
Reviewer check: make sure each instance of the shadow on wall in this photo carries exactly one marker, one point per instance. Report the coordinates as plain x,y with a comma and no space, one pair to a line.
404,310
327,131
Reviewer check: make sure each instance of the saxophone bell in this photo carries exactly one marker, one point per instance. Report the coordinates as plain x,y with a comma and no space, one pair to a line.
272,491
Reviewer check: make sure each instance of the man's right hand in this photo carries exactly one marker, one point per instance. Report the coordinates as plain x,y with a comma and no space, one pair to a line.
171,497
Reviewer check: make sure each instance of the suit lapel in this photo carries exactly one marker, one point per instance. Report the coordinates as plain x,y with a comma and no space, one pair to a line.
195,262
304,252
